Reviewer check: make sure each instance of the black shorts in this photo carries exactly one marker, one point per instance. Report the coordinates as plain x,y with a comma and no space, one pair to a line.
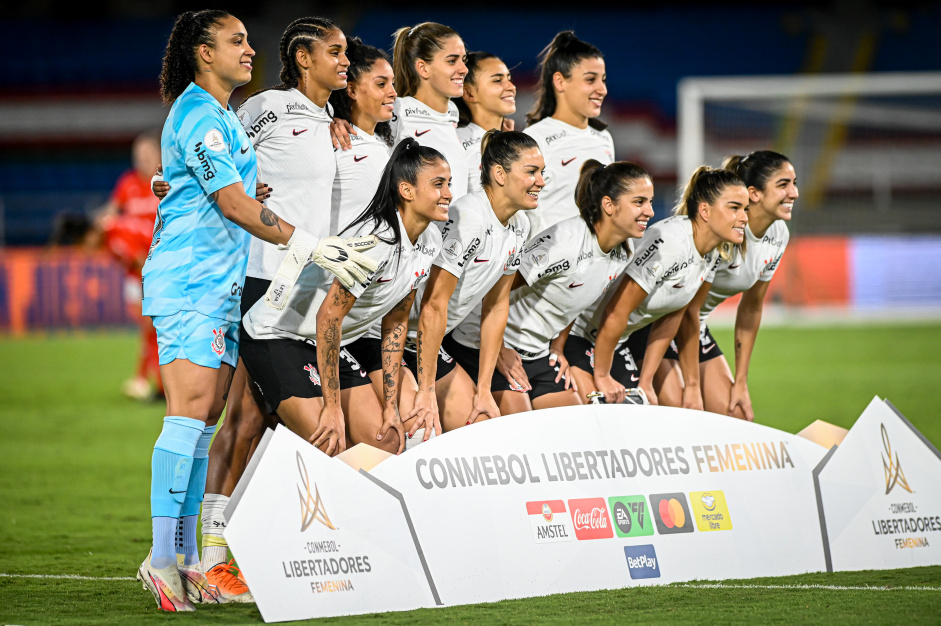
446,363
708,348
253,291
541,378
580,353
363,354
287,368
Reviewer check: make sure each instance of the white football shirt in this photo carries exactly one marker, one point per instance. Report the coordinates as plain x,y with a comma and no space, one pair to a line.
471,136
291,136
358,172
667,266
402,268
565,149
478,250
740,274
436,130
565,271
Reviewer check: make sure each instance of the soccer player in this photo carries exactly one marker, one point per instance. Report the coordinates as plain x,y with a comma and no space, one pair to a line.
471,278
670,264
565,122
302,382
428,60
126,222
563,270
489,98
772,190
193,277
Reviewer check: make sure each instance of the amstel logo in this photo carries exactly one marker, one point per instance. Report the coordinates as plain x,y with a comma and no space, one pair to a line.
311,506
893,469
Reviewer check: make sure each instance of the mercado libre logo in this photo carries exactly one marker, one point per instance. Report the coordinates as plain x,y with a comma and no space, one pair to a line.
671,513
590,518
710,510
631,516
312,508
892,467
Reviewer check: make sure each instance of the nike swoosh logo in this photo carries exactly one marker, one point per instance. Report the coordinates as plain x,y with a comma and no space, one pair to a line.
419,134
357,159
732,267
564,162
298,132
572,285
707,349
481,260
183,491
678,286
383,280
634,378
245,149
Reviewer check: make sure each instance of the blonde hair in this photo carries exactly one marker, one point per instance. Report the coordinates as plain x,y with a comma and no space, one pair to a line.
705,186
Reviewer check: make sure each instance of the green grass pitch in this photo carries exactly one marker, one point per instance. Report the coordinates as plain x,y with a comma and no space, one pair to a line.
75,471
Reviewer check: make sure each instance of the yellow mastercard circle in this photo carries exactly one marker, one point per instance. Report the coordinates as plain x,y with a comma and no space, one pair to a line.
676,512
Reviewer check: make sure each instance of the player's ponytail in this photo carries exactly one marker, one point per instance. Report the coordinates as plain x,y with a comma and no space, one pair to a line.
474,59
597,181
503,148
191,30
564,52
408,159
362,58
757,168
410,44
705,186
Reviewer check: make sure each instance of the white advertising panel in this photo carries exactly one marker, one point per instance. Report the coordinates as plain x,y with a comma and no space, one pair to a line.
881,495
596,497
314,538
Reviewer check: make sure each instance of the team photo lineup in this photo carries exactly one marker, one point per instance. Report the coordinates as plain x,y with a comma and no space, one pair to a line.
370,252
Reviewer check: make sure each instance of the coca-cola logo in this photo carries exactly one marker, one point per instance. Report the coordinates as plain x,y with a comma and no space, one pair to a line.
590,518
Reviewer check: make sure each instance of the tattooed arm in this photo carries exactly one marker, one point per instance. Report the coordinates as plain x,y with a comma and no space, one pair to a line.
394,332
331,432
251,215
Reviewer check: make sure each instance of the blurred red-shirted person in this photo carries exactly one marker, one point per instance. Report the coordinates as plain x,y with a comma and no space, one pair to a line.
126,222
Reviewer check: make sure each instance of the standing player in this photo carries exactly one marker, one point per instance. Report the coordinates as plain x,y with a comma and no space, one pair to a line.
563,270
127,223
194,275
429,71
489,98
709,384
471,281
302,383
672,260
565,122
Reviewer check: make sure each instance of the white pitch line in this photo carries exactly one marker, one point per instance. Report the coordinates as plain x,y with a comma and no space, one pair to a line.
67,576
824,587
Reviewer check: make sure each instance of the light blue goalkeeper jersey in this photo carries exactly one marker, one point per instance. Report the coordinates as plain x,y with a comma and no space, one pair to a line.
198,257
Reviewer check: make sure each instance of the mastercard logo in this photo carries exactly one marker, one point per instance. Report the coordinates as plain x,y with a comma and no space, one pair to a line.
671,513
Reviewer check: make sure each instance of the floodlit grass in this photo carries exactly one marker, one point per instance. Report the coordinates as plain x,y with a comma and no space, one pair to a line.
75,472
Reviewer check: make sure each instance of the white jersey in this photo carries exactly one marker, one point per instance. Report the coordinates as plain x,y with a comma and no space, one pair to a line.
358,172
478,250
471,136
436,130
291,136
565,149
761,259
667,266
565,270
402,268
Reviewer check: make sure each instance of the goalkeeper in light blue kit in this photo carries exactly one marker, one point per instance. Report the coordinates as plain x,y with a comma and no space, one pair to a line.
194,274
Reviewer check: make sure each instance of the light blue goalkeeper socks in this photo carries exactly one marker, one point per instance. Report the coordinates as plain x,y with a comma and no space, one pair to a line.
189,513
171,467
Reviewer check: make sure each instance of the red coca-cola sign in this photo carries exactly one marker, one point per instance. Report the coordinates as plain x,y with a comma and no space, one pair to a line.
590,518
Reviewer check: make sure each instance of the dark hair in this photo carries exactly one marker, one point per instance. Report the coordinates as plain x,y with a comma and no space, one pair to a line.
757,168
304,31
705,186
564,52
407,160
191,30
503,148
596,181
362,58
473,64
410,44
